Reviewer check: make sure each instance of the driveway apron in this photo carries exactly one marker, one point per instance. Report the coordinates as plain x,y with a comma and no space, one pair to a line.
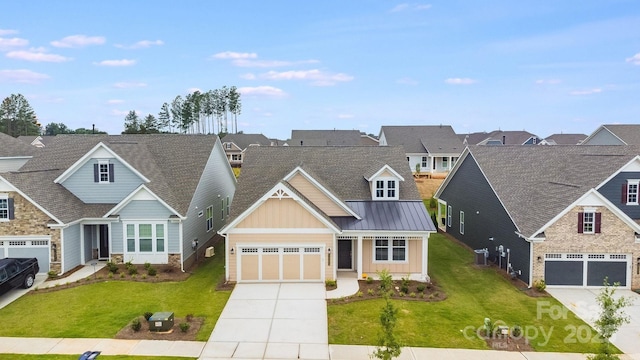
582,302
272,321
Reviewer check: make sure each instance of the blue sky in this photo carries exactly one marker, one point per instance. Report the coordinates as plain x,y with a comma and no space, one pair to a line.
541,66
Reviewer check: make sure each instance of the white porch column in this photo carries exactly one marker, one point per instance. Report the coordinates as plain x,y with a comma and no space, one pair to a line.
359,257
425,256
450,163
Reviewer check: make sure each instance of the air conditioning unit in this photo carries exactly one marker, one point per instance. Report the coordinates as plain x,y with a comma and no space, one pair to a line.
209,252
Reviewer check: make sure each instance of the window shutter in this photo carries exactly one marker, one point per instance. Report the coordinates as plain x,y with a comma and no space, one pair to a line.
580,222
96,174
598,222
111,176
624,194
12,212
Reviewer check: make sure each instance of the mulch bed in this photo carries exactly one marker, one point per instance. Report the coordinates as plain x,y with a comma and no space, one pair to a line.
509,343
415,291
175,334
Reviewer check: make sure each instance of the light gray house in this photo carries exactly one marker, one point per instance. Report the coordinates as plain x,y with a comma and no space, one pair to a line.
139,198
236,144
615,134
434,147
13,153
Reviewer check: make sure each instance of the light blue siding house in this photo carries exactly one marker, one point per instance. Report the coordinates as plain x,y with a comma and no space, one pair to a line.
140,198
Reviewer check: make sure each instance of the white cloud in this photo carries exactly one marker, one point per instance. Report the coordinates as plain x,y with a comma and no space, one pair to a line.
36,56
407,81
143,44
411,7
635,59
6,44
269,63
129,85
75,41
548,81
122,62
460,81
317,77
8,32
115,101
248,76
269,91
345,116
22,76
234,55
586,91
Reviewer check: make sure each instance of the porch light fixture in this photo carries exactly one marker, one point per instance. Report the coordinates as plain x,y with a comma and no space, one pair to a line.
491,238
232,251
539,259
328,250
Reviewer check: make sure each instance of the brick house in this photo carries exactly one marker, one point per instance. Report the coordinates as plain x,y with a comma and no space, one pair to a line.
564,214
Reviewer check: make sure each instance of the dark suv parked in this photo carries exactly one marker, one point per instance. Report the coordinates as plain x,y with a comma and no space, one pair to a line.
17,272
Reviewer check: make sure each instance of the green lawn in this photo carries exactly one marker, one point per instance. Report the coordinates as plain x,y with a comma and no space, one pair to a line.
473,294
100,310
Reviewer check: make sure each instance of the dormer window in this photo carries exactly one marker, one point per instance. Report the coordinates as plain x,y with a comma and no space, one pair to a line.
386,189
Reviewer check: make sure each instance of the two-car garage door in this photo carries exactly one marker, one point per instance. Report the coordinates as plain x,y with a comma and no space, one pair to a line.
26,247
280,263
587,269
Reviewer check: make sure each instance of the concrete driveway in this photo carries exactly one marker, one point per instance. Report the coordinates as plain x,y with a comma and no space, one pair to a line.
582,302
277,321
13,295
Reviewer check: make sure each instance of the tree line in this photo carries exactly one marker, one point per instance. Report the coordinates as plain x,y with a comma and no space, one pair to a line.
207,112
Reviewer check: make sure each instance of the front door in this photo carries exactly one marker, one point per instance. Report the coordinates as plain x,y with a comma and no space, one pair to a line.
345,258
104,242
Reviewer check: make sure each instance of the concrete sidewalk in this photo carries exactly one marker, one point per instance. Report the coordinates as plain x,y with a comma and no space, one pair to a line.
194,349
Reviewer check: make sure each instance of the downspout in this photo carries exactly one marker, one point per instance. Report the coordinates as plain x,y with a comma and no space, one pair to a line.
530,284
181,246
226,256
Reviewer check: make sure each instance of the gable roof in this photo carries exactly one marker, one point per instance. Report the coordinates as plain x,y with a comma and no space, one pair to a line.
432,139
325,138
245,140
340,169
628,134
12,147
498,137
172,163
535,184
565,139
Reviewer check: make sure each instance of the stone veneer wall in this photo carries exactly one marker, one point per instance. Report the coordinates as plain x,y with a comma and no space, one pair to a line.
563,237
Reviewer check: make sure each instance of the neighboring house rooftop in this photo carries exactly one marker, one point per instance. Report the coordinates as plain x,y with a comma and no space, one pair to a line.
535,184
432,139
627,134
245,140
171,163
330,138
497,137
13,147
339,169
37,140
564,139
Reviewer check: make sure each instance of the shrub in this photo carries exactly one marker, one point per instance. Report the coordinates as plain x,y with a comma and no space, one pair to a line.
136,325
540,285
420,288
412,295
516,331
330,283
147,315
132,270
121,275
371,292
147,265
369,280
404,289
113,268
359,294
184,327
110,276
152,271
52,274
144,276
433,202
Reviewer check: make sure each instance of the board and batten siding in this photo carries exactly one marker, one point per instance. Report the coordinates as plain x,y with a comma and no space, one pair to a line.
280,213
81,184
71,247
484,217
317,197
216,184
612,190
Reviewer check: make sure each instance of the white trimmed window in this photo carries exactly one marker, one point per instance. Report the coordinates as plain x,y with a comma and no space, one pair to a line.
632,192
146,238
4,207
228,206
445,162
236,157
588,222
222,209
390,249
425,162
209,218
449,210
386,189
462,222
103,171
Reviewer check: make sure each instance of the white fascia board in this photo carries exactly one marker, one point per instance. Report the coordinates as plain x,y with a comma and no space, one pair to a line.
280,231
324,190
387,233
382,169
632,165
592,198
279,186
86,157
14,188
93,221
142,191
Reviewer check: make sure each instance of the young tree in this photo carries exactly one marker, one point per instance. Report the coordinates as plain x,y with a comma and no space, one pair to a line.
149,125
17,117
611,318
176,113
164,119
388,346
131,123
235,106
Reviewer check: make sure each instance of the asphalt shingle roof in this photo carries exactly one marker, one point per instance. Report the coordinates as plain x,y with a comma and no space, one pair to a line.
434,139
11,147
172,163
629,133
244,140
325,137
517,137
566,139
340,169
536,183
